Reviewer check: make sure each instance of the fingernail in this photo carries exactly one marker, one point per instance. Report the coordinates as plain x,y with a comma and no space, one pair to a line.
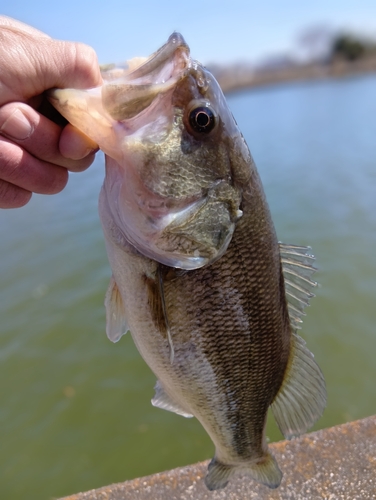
17,126
86,153
90,151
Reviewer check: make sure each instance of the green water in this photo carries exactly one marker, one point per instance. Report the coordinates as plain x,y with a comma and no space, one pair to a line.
75,409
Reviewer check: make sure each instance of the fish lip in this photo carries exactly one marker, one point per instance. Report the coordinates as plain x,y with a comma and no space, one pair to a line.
158,59
177,39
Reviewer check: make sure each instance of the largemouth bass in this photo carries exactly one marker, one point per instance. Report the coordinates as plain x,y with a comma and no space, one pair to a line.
212,300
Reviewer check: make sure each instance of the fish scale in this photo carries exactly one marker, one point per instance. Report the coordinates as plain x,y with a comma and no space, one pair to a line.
211,298
239,356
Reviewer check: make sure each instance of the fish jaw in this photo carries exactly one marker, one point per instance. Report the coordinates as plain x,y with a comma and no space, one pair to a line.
149,221
84,110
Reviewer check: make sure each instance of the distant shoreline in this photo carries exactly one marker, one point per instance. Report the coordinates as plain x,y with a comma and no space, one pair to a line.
232,79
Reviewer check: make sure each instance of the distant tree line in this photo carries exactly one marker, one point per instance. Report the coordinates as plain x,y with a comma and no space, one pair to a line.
351,48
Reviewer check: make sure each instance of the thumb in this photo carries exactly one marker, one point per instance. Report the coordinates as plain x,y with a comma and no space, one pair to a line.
42,63
71,65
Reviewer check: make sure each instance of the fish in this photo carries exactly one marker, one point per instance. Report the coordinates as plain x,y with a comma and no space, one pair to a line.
212,299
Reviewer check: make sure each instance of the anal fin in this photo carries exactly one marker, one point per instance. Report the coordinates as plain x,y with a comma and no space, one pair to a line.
162,400
116,324
302,397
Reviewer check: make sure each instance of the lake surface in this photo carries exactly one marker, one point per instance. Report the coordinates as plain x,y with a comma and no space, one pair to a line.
75,409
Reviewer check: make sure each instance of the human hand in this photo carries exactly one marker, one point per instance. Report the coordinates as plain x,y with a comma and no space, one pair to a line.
36,147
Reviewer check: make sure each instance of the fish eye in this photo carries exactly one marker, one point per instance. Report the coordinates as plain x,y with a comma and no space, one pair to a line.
202,119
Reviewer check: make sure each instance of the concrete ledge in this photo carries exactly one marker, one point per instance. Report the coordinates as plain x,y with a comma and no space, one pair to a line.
333,464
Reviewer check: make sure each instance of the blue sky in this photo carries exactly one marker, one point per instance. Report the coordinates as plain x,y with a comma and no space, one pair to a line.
216,30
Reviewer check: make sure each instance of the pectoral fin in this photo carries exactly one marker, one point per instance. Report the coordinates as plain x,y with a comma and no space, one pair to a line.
302,397
162,400
116,325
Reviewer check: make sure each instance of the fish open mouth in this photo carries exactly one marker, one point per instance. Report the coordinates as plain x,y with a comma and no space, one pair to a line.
111,111
135,89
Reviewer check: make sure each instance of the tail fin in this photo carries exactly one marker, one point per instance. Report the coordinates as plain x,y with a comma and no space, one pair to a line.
265,471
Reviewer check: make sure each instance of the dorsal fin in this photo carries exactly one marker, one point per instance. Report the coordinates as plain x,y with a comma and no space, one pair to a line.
297,270
301,398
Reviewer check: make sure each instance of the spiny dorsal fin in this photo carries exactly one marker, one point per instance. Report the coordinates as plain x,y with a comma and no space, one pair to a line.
116,324
297,270
162,400
302,397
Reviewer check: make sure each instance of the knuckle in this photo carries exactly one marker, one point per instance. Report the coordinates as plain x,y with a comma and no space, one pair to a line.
12,196
16,122
58,182
10,160
19,168
87,66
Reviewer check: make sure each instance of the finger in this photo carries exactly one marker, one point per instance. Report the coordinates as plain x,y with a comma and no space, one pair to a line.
44,63
41,137
12,196
14,23
20,168
76,66
76,145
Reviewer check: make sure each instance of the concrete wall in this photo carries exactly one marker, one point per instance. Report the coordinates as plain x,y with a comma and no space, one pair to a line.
333,464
